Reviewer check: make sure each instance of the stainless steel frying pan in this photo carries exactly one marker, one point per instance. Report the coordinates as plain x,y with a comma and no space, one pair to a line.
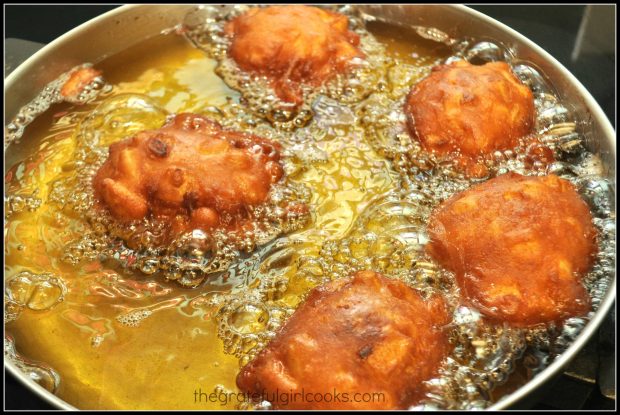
127,25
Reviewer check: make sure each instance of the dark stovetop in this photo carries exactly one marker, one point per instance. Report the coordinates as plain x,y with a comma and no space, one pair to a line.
581,37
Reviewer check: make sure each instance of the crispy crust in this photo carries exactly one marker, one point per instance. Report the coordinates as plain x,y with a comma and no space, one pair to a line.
190,172
469,110
78,79
519,247
292,45
362,334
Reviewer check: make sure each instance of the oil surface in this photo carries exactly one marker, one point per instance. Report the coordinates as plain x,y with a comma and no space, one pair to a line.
105,335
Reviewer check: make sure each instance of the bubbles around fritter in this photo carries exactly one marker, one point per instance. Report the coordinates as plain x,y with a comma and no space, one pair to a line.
292,45
79,79
361,334
519,247
190,174
471,111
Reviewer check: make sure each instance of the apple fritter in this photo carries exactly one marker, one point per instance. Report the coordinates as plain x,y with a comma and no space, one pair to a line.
519,247
365,334
292,45
470,111
190,172
78,79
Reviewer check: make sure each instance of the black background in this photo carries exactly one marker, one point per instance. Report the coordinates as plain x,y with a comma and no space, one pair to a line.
554,28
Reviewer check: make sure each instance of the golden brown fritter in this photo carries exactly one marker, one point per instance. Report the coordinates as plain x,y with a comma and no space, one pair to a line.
78,79
470,110
190,172
362,334
519,247
292,45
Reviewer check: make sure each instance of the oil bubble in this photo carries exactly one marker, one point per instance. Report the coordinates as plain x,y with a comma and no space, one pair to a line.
35,291
133,318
